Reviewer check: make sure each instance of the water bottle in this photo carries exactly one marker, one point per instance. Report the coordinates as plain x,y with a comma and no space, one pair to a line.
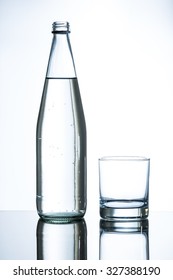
61,136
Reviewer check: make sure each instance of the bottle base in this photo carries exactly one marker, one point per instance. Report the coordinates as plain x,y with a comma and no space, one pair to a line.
59,218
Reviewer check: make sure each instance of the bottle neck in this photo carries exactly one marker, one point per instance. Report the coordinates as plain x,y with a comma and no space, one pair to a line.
61,63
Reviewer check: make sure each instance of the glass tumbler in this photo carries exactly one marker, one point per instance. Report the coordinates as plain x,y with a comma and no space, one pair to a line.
124,187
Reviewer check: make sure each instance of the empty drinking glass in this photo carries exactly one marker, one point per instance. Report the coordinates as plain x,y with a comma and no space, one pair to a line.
124,187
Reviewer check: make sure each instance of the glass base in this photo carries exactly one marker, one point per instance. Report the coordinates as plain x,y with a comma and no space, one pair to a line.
124,210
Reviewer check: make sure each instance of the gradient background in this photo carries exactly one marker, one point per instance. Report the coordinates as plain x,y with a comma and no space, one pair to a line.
123,52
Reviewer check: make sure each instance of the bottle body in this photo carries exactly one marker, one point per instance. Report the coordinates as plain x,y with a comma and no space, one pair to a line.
61,150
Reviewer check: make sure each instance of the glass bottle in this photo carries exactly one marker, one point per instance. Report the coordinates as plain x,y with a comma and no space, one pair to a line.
61,136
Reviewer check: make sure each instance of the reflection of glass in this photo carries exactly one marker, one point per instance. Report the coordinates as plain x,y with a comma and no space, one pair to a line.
65,241
124,240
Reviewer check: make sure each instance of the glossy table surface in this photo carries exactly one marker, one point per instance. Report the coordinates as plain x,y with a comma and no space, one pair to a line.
23,236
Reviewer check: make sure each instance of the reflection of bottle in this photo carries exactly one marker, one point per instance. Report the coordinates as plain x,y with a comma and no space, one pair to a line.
66,241
61,136
124,240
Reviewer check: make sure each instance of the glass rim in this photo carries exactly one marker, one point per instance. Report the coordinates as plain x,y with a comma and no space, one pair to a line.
124,158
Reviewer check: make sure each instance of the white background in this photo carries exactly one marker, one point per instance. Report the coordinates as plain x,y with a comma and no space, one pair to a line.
123,51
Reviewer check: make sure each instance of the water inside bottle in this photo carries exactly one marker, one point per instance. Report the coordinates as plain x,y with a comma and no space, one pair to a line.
61,149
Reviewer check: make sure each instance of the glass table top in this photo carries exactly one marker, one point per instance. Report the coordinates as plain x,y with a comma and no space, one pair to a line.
24,236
